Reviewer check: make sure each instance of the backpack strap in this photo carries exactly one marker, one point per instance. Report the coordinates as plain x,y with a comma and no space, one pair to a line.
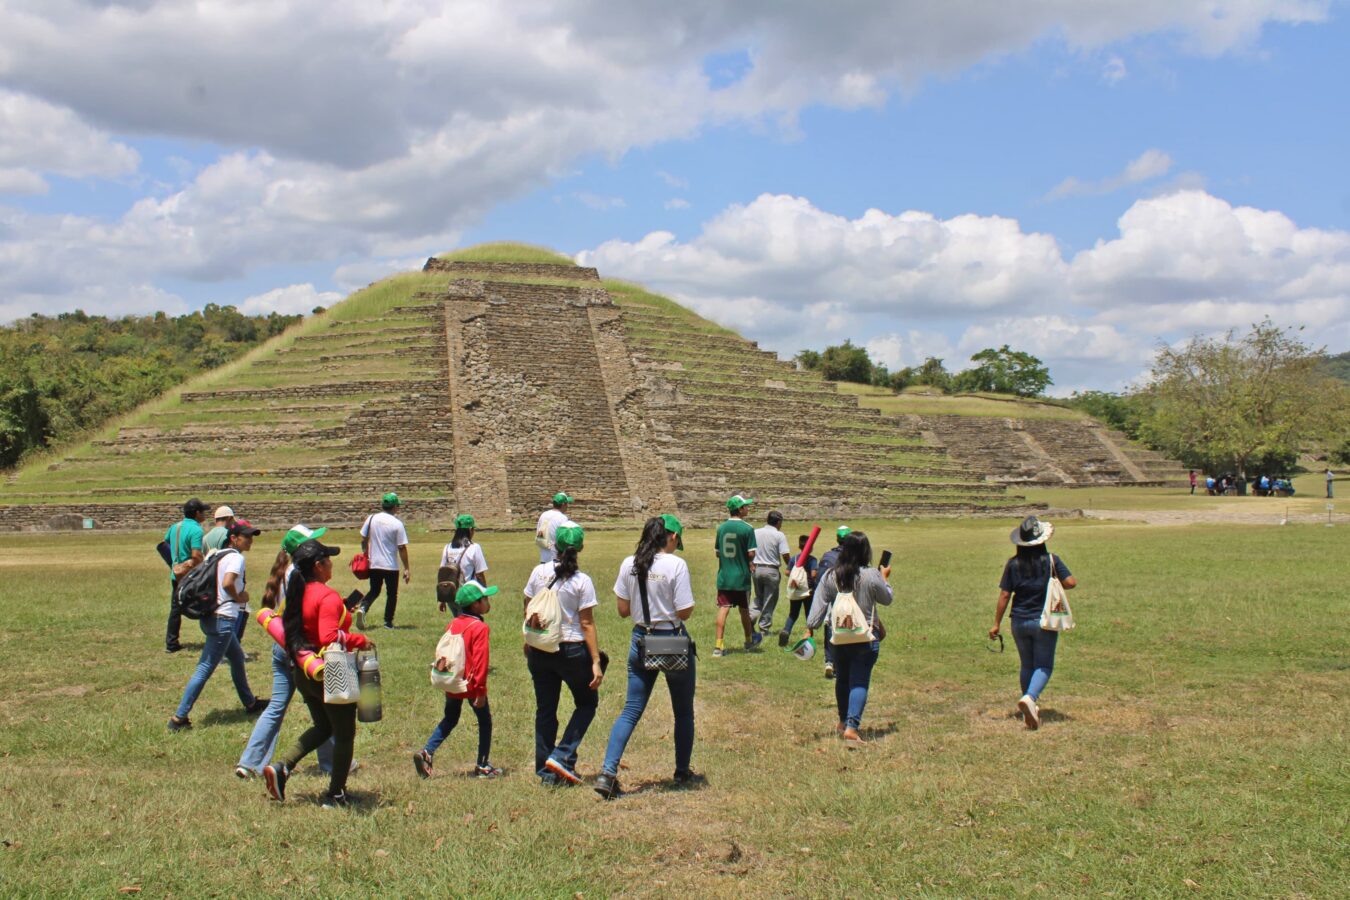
646,608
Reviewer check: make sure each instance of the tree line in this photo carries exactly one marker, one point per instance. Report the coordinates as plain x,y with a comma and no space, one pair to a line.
999,371
63,375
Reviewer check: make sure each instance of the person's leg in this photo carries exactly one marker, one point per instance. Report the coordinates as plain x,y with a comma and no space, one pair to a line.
722,613
681,687
390,597
317,733
218,634
859,680
342,720
759,583
238,672
262,743
484,716
1043,661
1024,636
829,646
324,755
576,672
794,610
772,579
376,582
746,623
453,707
240,623
547,688
843,660
175,623
640,683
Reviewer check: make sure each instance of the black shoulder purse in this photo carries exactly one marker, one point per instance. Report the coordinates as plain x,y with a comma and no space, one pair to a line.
662,652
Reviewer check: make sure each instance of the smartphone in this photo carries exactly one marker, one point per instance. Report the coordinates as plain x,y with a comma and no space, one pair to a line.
354,598
885,559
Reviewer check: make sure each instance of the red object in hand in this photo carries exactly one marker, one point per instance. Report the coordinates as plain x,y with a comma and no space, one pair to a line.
806,551
361,566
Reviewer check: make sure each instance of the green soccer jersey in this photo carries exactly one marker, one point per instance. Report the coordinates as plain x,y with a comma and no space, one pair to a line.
735,539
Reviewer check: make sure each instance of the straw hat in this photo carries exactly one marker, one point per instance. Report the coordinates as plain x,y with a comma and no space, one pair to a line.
1032,532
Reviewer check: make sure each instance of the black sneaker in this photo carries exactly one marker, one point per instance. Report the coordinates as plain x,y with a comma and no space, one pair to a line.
783,638
606,785
335,801
172,648
687,779
177,724
257,706
389,625
275,776
422,763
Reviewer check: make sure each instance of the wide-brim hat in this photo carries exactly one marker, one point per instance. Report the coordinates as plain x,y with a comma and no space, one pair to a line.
804,649
1032,532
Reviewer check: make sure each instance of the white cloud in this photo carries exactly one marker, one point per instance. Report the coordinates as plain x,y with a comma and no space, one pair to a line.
354,276
1114,71
677,203
598,202
297,298
673,181
1147,166
36,135
21,181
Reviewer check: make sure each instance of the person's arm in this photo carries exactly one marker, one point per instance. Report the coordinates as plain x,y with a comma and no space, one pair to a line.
625,608
825,594
478,669
882,589
227,584
1003,598
1067,578
480,570
587,619
407,568
684,593
331,613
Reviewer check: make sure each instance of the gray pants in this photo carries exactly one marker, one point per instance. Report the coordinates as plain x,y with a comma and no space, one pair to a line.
767,580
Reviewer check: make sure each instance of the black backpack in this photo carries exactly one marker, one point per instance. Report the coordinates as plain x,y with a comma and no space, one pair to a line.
197,590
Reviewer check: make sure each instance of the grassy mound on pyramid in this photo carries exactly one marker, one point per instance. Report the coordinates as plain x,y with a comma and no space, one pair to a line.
435,384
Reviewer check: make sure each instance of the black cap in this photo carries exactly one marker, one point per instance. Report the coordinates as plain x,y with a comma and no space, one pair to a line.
312,551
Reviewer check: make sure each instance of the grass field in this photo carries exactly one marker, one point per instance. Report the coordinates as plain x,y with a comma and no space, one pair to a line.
1195,739
928,404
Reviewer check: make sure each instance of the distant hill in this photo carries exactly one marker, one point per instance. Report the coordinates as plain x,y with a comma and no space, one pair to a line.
1338,366
61,376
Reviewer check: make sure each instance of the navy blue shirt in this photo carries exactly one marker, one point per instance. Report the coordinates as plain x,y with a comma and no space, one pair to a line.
1027,580
826,564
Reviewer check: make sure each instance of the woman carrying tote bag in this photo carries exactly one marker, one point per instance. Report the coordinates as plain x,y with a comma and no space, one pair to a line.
1026,579
852,576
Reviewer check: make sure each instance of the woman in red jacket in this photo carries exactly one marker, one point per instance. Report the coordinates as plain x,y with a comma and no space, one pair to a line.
315,617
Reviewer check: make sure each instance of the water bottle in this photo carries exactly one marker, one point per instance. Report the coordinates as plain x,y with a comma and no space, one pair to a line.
368,707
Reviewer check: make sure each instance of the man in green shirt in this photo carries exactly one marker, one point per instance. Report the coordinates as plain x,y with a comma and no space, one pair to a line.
734,546
185,553
217,537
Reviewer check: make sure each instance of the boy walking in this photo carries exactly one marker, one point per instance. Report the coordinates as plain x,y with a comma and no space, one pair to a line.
734,546
385,540
804,604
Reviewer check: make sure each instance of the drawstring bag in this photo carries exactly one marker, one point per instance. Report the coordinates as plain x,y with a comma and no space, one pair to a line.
341,684
848,624
1056,616
799,583
454,679
661,652
543,620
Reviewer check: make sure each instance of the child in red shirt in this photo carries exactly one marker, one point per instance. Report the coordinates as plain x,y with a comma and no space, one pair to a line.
472,600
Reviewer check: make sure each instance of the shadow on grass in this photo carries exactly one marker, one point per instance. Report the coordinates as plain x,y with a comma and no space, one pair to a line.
1047,715
225,717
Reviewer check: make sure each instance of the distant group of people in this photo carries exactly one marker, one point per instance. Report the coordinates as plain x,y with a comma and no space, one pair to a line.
841,593
1231,485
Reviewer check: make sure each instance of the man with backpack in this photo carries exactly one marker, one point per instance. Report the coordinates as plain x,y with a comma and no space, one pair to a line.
183,543
385,540
215,594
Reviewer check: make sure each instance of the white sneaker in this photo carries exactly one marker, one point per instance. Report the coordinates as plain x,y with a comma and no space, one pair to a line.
1030,713
360,619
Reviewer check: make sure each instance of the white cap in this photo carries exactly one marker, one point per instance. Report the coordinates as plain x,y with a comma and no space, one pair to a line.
223,512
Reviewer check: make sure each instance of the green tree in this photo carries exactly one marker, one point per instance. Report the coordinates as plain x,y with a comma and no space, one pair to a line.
1004,371
1233,404
846,362
807,359
933,374
1123,412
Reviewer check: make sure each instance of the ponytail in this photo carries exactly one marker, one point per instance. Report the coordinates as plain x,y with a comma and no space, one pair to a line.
293,617
463,538
652,542
274,587
566,565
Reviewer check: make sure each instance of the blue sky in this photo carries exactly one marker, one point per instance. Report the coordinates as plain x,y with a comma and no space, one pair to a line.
1080,180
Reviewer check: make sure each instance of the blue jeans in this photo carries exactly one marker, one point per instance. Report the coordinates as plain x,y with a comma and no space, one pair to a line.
221,641
571,666
852,677
1036,646
240,623
262,744
640,684
453,707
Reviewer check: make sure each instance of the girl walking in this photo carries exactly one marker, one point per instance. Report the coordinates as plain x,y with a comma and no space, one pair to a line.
1026,576
464,554
576,664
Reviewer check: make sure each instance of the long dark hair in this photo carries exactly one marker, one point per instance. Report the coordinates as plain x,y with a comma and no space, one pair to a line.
274,587
293,617
652,542
1028,560
566,565
463,538
855,554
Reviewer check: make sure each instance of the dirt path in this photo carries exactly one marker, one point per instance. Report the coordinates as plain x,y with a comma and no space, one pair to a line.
1237,515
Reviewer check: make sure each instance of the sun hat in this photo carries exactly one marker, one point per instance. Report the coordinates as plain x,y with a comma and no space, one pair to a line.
674,527
312,551
471,592
243,527
1032,532
464,520
298,535
389,499
842,532
223,512
737,501
562,497
569,537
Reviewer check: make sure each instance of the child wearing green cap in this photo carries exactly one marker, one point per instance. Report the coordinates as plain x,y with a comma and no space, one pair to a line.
472,600
465,554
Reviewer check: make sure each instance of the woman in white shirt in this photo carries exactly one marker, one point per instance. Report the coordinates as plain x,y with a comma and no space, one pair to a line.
576,664
671,602
465,553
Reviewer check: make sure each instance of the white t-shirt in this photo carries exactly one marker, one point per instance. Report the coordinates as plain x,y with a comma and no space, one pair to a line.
232,561
574,595
770,545
548,524
470,559
668,589
386,534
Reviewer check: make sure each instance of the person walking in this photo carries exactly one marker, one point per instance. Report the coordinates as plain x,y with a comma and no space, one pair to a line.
314,617
1193,482
577,662
852,573
464,553
547,526
262,743
769,556
1330,478
1026,577
811,565
384,539
473,602
185,554
827,561
217,537
670,599
221,631
734,545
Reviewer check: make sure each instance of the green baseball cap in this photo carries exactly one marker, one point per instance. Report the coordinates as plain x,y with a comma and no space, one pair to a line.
464,520
561,497
737,501
470,593
298,535
568,537
390,499
842,532
674,527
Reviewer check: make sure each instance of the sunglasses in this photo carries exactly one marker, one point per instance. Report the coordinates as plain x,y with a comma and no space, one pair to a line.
990,646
